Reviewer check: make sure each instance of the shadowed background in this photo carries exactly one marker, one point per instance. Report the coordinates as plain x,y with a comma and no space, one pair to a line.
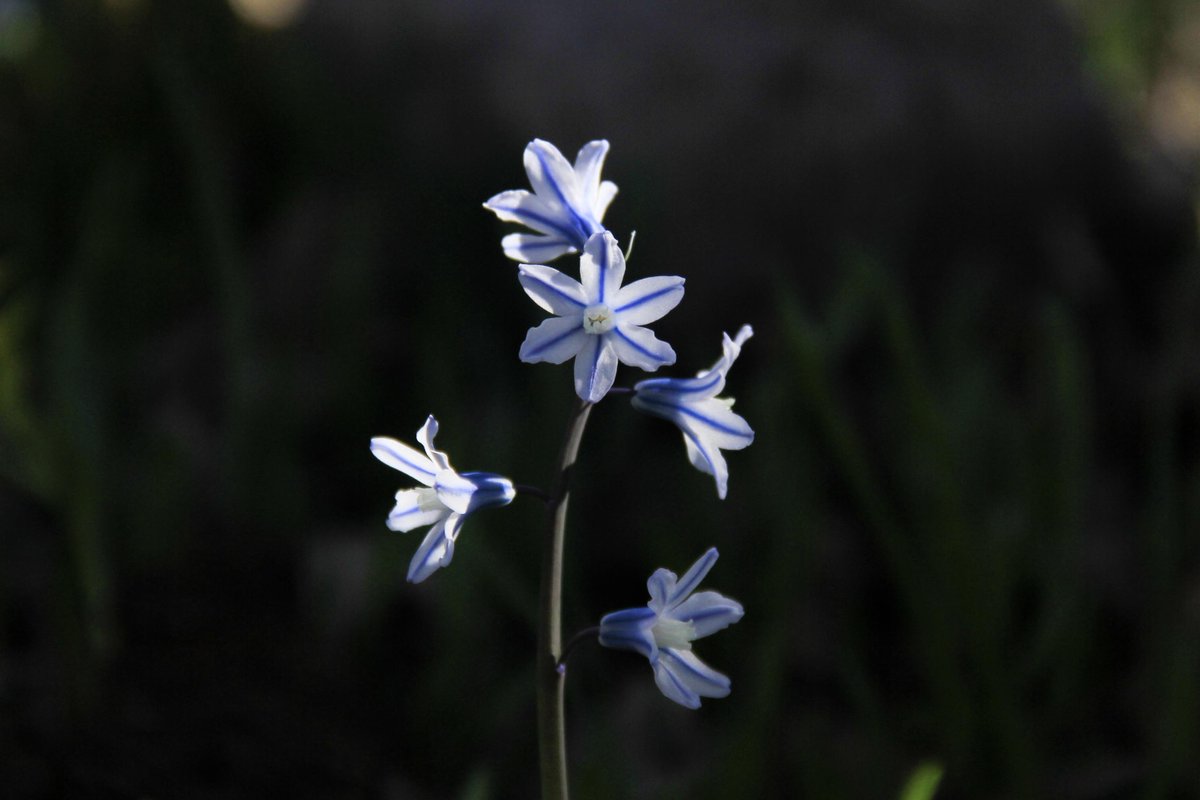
237,241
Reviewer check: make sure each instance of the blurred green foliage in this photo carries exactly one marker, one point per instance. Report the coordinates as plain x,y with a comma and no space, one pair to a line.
966,531
923,783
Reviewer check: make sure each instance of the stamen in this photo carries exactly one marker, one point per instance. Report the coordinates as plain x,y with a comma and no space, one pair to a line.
674,633
598,319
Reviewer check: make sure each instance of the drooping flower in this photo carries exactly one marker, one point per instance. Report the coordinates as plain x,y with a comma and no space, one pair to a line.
707,421
444,500
565,208
598,322
664,630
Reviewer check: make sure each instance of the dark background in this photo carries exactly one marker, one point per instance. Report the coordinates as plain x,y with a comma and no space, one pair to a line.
965,233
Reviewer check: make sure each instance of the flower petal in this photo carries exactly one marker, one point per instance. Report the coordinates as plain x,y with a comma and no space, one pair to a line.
672,684
554,181
601,268
398,455
707,383
708,612
588,164
490,490
555,340
661,585
550,174
529,247
639,347
707,458
436,550
534,212
629,629
595,368
552,290
604,197
644,301
686,668
454,491
711,419
408,513
425,437
724,428
679,390
691,579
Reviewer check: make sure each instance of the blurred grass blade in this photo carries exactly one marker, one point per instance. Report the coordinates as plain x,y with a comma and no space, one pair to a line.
923,783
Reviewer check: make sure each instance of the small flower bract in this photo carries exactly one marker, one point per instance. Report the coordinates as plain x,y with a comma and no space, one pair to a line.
664,630
444,501
598,322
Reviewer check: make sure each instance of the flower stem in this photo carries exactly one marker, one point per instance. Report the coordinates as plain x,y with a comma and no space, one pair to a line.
583,635
552,740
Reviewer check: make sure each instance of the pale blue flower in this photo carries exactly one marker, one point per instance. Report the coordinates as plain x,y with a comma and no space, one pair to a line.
444,500
707,421
664,630
565,208
598,322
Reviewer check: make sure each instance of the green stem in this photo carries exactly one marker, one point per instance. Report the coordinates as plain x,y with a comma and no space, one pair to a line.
552,739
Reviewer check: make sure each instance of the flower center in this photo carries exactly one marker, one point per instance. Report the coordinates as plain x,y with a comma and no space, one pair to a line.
427,499
674,633
598,319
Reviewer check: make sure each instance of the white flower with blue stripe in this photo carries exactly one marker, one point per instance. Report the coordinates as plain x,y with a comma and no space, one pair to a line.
444,500
565,208
597,321
664,630
707,421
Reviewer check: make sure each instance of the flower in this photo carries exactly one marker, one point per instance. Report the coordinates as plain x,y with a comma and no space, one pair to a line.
444,501
598,322
566,206
664,631
707,421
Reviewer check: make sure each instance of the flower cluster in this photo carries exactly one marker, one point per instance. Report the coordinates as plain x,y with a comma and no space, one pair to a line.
599,321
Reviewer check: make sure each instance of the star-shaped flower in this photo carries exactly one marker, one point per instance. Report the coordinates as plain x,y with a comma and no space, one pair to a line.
444,501
565,208
598,322
707,421
664,630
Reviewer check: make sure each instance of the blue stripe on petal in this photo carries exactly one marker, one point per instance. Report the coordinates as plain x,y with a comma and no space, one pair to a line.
592,367
544,346
641,645
629,629
709,384
666,405
672,686
650,354
536,249
691,579
406,512
602,265
380,445
435,552
550,288
566,231
647,298
701,449
699,677
490,490
660,585
581,227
